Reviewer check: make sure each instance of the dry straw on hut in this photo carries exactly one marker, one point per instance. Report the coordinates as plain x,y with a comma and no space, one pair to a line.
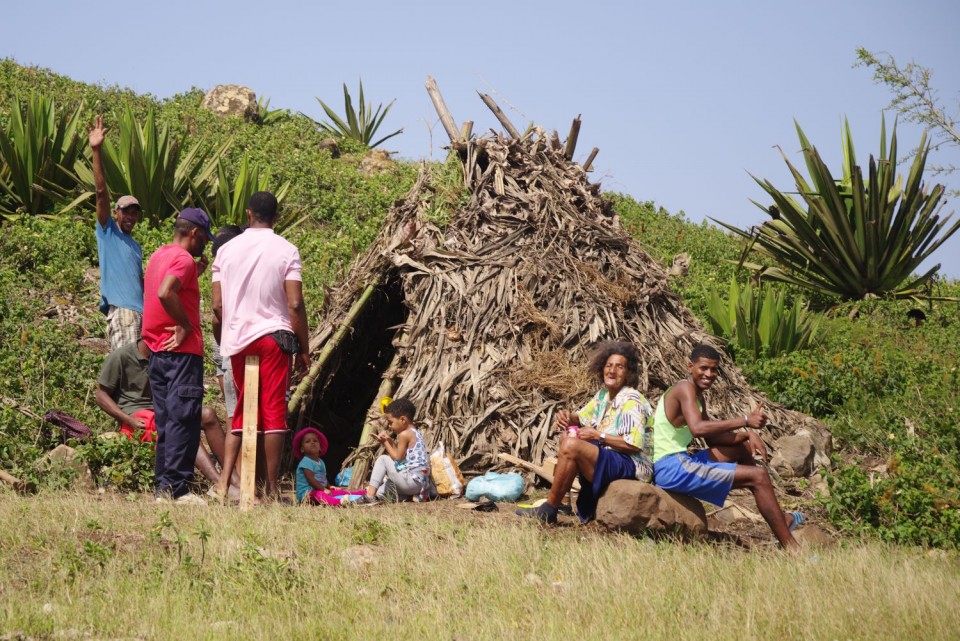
485,324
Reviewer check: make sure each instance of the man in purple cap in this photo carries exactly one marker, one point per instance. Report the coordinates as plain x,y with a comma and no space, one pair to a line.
171,330
121,259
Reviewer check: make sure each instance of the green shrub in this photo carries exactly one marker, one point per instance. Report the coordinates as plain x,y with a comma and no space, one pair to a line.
758,322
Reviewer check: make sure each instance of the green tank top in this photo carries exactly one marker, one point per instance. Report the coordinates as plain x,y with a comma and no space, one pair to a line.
668,439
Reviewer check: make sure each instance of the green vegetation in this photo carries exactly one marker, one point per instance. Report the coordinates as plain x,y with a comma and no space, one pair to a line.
758,321
38,148
915,97
360,126
852,238
888,389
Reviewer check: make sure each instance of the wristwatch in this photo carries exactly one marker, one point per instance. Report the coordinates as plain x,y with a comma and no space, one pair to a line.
603,439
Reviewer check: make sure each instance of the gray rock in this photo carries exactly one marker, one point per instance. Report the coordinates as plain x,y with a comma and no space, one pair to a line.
809,535
232,100
794,456
64,456
635,507
330,145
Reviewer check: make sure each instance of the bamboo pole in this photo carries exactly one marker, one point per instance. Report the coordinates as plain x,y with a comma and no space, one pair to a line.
448,124
502,117
386,389
248,456
466,130
572,138
329,348
589,163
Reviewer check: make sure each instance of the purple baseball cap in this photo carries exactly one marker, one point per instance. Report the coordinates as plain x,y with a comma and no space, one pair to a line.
199,218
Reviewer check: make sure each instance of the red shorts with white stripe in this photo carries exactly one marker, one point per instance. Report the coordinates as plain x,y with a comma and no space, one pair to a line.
274,379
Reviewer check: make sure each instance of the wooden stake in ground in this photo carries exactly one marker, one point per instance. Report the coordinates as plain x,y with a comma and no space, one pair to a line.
248,455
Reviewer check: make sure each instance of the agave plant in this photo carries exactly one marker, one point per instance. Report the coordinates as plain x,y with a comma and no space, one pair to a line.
361,126
853,238
148,163
267,116
37,149
760,322
227,200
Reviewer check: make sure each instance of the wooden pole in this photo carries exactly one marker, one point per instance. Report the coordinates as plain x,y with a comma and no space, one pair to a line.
329,348
445,118
593,154
502,117
360,467
248,457
466,130
572,138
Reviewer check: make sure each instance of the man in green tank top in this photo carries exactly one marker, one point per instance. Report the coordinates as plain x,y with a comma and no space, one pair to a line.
728,460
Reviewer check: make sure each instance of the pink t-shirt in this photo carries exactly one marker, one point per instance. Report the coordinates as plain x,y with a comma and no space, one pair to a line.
251,270
177,261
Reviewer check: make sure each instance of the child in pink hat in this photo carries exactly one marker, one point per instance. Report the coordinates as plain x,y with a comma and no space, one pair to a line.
309,445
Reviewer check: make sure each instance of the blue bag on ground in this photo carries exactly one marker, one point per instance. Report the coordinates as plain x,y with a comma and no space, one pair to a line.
496,487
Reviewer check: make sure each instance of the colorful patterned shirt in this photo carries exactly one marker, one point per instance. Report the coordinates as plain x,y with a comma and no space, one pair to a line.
628,415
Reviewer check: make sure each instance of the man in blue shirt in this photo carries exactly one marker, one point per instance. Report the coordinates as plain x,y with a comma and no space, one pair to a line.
121,259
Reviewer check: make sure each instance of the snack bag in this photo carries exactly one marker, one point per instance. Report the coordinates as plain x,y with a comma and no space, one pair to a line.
445,473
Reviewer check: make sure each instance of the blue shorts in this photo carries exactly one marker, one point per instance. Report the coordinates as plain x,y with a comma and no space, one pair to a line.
695,476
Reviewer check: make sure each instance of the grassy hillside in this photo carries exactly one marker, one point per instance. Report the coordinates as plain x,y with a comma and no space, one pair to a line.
887,389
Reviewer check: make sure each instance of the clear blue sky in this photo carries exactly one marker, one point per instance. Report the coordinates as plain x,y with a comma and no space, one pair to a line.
682,98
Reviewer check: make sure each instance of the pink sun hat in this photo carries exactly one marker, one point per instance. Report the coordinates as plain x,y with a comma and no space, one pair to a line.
299,437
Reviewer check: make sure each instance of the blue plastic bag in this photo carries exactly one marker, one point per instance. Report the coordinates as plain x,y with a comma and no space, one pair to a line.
343,478
496,487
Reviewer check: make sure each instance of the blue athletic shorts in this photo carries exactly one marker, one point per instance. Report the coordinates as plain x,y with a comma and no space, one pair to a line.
696,476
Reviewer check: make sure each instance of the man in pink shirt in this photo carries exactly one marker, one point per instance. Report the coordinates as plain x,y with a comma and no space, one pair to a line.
258,301
171,330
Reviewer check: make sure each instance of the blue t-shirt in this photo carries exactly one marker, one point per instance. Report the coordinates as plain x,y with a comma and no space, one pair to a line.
121,268
319,473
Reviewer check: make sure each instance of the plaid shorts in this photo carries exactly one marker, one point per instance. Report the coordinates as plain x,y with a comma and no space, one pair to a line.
123,326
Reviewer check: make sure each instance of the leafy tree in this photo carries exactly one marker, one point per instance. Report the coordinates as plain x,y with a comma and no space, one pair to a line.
916,98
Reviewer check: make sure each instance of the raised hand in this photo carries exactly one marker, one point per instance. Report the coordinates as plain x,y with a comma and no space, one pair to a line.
97,133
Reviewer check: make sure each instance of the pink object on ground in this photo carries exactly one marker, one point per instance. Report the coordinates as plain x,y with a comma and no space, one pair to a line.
332,495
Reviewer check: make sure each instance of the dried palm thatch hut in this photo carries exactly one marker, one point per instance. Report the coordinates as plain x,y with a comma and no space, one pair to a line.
485,324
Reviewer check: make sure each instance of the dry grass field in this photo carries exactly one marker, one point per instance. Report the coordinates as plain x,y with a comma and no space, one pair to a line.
76,566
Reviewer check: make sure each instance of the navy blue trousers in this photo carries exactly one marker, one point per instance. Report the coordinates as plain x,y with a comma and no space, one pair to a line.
176,382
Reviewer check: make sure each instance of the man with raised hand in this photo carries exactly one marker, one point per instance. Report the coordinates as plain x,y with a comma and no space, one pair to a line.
171,329
258,301
120,256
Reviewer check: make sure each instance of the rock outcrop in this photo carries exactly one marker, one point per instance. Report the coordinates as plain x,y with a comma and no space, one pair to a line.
232,100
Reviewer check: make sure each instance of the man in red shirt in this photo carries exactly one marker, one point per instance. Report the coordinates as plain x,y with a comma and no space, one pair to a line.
171,330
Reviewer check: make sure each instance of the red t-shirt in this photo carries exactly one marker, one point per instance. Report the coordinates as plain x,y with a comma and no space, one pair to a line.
177,261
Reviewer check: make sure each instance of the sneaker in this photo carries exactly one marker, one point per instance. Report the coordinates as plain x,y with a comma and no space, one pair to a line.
190,499
545,513
369,500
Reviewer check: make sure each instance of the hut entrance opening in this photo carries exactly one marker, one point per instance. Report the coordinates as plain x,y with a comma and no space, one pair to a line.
348,389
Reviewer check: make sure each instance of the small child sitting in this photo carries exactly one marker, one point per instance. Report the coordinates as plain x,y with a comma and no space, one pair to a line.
404,471
309,445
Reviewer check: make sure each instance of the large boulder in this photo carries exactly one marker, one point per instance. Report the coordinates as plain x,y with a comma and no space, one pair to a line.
635,507
794,456
232,100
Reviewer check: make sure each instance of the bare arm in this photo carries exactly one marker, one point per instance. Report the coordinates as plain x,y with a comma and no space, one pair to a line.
397,451
682,408
298,320
96,137
167,293
108,405
216,297
312,480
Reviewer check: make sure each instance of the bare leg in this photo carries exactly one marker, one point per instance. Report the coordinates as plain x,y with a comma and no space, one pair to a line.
273,449
575,457
230,467
757,480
